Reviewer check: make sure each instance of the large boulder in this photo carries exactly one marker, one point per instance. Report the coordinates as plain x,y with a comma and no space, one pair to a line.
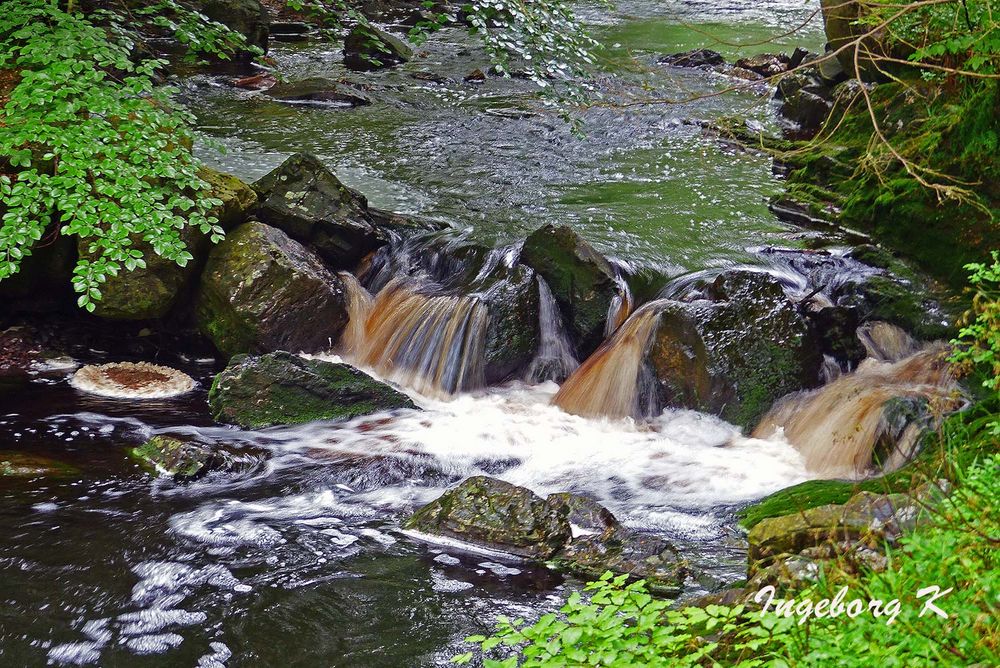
735,352
280,388
262,291
309,203
368,48
151,292
319,91
581,280
494,513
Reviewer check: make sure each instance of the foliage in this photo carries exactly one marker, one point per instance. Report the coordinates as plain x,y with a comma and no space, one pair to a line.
978,344
93,148
622,625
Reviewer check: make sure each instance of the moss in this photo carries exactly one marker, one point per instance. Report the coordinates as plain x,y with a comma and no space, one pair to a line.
162,454
21,465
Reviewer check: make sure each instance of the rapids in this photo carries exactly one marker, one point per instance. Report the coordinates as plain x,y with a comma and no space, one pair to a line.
300,561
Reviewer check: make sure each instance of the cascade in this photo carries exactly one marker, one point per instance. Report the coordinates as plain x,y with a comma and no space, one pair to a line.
610,382
841,427
555,359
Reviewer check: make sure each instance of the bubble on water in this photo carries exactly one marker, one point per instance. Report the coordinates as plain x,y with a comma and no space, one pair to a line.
442,583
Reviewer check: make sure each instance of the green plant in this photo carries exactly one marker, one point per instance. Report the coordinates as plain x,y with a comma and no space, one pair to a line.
619,624
978,342
91,148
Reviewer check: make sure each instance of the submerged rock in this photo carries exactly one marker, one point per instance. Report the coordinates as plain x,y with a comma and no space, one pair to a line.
765,64
262,291
23,465
186,460
736,353
309,203
369,48
319,91
281,388
581,280
496,514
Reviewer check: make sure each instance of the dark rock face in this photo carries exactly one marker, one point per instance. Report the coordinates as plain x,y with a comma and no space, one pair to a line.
308,202
247,17
806,98
187,460
581,280
512,334
152,292
694,58
43,282
368,48
262,291
735,353
497,514
319,91
281,388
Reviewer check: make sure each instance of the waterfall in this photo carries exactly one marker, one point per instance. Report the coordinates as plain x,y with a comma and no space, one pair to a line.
609,383
555,359
431,343
359,308
839,427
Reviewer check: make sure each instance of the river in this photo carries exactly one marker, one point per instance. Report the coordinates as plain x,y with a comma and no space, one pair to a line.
300,561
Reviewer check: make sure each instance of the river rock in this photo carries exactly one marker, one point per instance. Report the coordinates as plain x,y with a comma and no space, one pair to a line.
153,291
735,352
806,99
262,291
319,91
369,48
247,17
280,388
581,280
512,336
694,58
309,203
187,460
600,543
792,548
495,514
765,64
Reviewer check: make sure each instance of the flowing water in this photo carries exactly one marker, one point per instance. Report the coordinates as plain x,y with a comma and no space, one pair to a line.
299,560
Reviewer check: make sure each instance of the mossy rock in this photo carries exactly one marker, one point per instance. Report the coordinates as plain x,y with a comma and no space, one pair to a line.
262,291
308,202
581,280
496,514
247,17
281,388
368,48
187,460
23,465
151,292
735,354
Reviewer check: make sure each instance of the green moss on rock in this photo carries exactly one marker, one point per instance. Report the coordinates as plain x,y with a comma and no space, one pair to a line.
281,388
